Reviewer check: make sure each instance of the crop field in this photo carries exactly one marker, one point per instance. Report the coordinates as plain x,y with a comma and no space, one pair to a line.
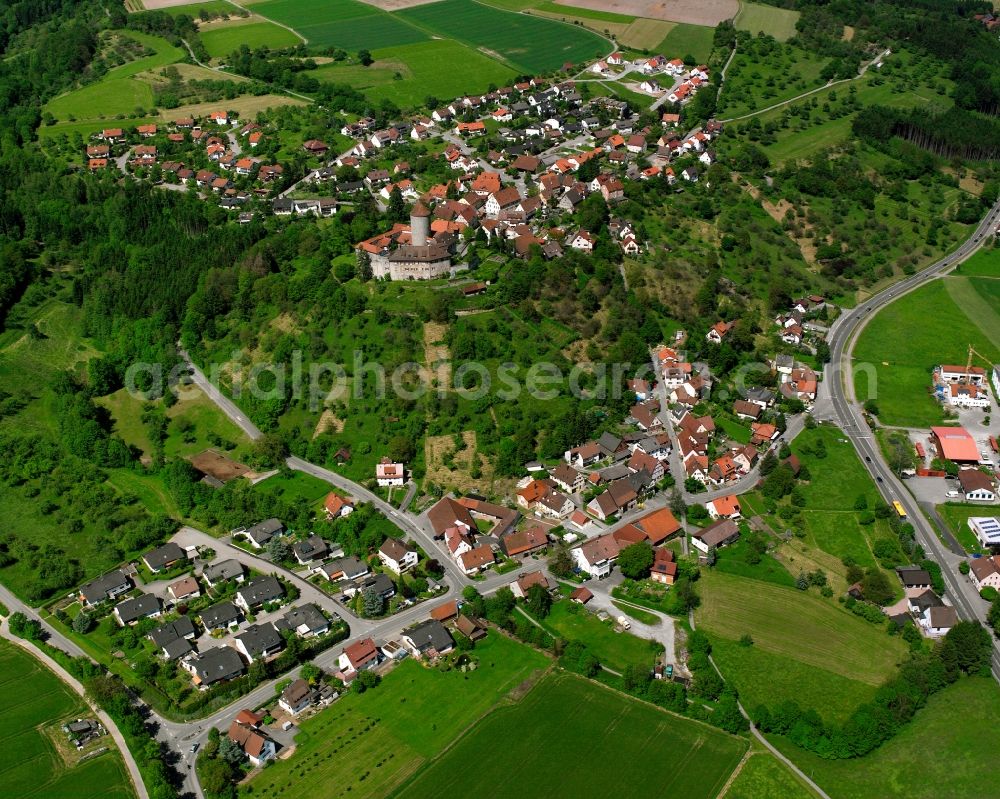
765,777
222,40
688,40
776,22
32,698
369,744
570,737
341,23
905,340
531,43
798,625
702,13
957,724
425,68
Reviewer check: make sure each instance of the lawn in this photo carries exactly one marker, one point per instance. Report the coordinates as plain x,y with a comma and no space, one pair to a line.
565,723
341,23
763,776
615,650
223,40
985,263
956,515
368,745
798,625
425,68
117,92
294,486
530,43
776,22
33,699
905,340
958,725
688,40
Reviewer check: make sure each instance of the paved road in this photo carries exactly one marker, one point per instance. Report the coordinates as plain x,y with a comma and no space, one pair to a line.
843,407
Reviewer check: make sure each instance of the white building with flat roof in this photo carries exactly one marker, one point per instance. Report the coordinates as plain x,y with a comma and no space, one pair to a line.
986,529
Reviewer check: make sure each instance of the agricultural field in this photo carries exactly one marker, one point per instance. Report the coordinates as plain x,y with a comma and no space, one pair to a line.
957,724
617,651
34,703
349,24
699,13
763,776
764,72
221,40
827,645
905,340
524,42
776,22
369,744
117,92
425,68
605,736
686,40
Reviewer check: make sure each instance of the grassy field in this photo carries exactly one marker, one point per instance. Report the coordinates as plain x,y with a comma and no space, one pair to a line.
222,40
985,263
194,421
116,92
368,745
688,40
565,723
524,42
764,777
792,624
34,704
425,68
341,23
957,514
907,338
614,650
295,486
957,725
763,677
776,22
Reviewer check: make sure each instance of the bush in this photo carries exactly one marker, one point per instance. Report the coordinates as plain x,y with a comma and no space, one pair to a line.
989,593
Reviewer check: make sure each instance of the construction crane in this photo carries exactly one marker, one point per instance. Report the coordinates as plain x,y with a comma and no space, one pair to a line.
968,362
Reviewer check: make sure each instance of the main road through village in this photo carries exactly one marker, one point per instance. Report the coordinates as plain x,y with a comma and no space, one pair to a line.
836,403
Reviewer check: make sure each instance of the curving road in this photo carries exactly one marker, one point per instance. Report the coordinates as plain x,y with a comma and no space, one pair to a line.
840,405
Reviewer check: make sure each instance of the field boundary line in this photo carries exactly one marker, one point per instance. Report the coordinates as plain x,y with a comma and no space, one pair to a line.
963,292
759,736
131,767
268,19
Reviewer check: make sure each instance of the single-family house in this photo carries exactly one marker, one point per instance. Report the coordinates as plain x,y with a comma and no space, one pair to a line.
261,533
306,621
184,589
213,666
985,572
524,542
259,641
255,745
107,586
727,507
259,591
310,549
337,506
397,556
359,656
596,556
428,639
526,580
174,638
164,557
217,573
134,609
976,486
477,559
349,568
664,568
388,473
220,616
296,698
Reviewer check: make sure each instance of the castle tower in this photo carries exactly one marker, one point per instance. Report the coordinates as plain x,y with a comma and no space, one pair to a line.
420,225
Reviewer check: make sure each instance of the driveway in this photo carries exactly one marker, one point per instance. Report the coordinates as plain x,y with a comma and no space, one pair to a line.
662,632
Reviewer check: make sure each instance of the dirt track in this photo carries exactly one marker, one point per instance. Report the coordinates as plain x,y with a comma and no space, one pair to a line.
695,12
